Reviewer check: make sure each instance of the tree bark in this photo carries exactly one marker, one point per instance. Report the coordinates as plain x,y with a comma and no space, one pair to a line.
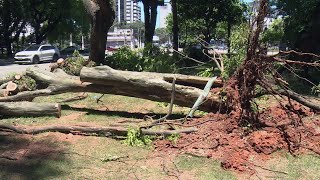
150,19
29,109
120,131
102,16
146,9
152,86
175,28
229,39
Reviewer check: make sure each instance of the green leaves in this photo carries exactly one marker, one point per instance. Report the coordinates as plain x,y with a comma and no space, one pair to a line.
135,138
275,32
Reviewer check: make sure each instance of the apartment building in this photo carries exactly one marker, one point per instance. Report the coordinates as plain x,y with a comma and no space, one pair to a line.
127,11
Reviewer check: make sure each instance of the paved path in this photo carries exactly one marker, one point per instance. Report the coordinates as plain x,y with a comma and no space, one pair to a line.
10,68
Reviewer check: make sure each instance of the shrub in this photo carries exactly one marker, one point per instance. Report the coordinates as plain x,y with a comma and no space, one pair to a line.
135,138
74,64
151,58
125,59
157,60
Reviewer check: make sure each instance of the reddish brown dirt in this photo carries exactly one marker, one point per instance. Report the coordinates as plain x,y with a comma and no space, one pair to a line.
220,137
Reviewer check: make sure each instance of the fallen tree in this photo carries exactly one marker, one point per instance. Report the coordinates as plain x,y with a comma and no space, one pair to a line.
29,109
146,85
105,80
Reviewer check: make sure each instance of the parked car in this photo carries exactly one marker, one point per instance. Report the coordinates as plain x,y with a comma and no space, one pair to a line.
37,53
68,52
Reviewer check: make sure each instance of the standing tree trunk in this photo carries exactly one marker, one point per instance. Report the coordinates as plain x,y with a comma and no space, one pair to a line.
102,15
229,38
175,28
150,19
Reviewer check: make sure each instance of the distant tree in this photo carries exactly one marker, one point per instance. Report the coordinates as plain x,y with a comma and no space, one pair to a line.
12,22
274,34
163,34
301,17
102,15
301,28
209,12
76,23
189,30
203,18
45,15
234,14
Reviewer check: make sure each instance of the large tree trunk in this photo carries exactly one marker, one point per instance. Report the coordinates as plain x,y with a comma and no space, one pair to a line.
152,86
150,19
105,80
29,109
147,34
102,16
175,28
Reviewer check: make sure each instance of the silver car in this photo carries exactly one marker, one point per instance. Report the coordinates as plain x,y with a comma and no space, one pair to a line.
37,53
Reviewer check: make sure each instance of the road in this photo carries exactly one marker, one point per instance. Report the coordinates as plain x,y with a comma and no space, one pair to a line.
10,68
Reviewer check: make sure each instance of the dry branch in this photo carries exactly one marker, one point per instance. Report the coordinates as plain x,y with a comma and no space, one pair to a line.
29,109
11,86
286,61
96,130
300,98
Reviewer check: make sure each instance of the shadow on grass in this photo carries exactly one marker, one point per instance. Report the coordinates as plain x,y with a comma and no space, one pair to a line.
124,114
22,157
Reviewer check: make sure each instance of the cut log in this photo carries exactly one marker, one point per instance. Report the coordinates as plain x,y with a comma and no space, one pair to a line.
60,61
17,77
120,131
12,87
29,109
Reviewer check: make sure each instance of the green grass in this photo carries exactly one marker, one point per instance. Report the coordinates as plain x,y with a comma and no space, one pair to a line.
80,157
205,168
300,167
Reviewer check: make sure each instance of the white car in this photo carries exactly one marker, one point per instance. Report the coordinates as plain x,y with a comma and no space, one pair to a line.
37,53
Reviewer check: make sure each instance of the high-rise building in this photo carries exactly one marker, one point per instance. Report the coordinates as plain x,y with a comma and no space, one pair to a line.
127,11
164,11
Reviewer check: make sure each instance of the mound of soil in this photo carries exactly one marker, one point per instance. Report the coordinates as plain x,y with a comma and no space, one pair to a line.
220,137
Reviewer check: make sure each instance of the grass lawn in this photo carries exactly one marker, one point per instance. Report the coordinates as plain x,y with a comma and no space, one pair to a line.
67,156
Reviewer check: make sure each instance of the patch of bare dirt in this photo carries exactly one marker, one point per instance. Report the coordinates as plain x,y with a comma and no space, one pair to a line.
72,116
220,137
23,147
